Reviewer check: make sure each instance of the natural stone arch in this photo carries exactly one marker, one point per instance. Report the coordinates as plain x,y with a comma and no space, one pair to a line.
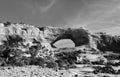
78,36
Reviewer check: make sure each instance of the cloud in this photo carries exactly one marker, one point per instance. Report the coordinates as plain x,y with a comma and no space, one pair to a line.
99,11
44,5
111,30
72,13
46,8
39,5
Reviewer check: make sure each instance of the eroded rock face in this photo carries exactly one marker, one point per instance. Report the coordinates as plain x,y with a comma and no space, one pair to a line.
22,44
78,36
47,36
106,42
51,33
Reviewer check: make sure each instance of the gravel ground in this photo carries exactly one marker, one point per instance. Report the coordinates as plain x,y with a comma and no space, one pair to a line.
28,71
36,71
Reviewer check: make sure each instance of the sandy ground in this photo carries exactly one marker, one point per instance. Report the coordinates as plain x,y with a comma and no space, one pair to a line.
28,71
36,71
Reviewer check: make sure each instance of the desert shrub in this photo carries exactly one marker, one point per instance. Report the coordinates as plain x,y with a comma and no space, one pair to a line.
11,56
7,23
53,65
66,59
2,62
33,50
5,53
112,57
113,63
38,61
50,62
106,69
49,59
13,40
25,61
20,61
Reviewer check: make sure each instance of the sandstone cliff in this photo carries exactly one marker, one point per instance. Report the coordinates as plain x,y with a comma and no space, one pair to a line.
49,35
22,44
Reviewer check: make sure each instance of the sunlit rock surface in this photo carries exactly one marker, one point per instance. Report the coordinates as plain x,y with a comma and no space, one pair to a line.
67,52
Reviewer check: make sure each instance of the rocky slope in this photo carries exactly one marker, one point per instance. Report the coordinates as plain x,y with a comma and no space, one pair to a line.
94,54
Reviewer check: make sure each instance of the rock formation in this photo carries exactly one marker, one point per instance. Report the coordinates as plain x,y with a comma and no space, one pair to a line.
22,44
49,35
78,36
106,42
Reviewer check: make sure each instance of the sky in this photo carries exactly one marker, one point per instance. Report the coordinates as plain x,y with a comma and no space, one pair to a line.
94,14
